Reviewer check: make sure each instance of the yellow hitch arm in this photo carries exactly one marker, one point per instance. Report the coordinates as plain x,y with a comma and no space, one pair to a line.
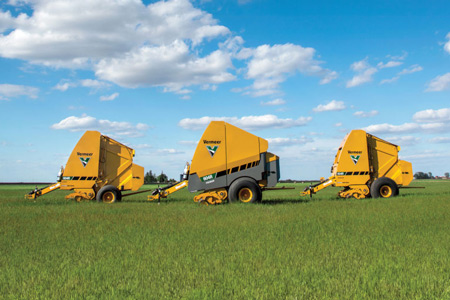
39,192
312,189
166,191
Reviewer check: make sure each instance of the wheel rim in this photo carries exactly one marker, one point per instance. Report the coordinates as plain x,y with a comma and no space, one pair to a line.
245,195
385,191
108,197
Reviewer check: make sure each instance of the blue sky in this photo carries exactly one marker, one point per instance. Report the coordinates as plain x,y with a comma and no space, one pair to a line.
152,74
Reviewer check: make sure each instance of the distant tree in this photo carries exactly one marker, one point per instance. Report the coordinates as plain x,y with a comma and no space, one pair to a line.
447,175
149,177
162,177
422,175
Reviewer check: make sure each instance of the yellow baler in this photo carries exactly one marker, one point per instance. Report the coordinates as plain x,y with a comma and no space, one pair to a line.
229,163
99,167
366,166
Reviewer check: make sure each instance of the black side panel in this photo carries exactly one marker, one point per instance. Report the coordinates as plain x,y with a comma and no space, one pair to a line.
225,177
273,173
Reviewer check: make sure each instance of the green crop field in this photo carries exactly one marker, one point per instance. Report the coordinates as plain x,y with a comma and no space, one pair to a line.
287,247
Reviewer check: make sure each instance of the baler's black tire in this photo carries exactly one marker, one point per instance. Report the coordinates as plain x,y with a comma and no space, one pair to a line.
383,187
109,194
244,190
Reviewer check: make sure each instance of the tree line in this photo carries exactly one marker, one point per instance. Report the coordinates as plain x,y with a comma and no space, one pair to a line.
151,177
429,175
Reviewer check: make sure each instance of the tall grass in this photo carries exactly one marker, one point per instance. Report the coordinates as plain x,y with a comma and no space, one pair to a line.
284,248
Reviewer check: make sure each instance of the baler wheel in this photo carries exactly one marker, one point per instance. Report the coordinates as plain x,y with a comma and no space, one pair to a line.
244,190
109,194
384,187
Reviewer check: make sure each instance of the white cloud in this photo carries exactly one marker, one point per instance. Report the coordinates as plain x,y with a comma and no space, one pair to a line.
390,64
411,69
172,66
447,45
247,122
329,76
391,80
365,114
12,91
363,71
407,128
169,151
64,85
274,102
113,128
398,57
288,141
404,140
359,66
110,97
333,105
126,42
440,140
432,116
188,143
271,65
95,84
6,21
439,83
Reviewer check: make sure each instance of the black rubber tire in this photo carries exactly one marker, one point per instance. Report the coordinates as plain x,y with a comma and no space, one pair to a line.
383,187
247,187
109,194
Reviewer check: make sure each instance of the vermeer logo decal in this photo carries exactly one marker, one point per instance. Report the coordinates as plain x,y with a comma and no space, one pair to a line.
212,150
85,161
355,158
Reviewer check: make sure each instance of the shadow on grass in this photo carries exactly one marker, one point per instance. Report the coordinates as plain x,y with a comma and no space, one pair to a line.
284,201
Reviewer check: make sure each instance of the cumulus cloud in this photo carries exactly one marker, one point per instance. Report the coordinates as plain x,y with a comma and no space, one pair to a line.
432,116
447,45
269,66
172,66
365,114
407,128
169,151
431,121
412,69
440,140
247,122
114,128
110,97
8,91
404,140
64,85
279,141
6,21
333,105
126,42
274,102
390,64
439,83
364,73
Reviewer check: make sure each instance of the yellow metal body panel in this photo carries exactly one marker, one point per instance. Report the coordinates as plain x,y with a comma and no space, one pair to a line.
83,163
210,154
96,161
360,160
223,147
352,157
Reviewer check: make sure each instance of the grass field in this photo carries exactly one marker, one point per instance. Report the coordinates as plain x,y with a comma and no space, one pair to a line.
284,248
